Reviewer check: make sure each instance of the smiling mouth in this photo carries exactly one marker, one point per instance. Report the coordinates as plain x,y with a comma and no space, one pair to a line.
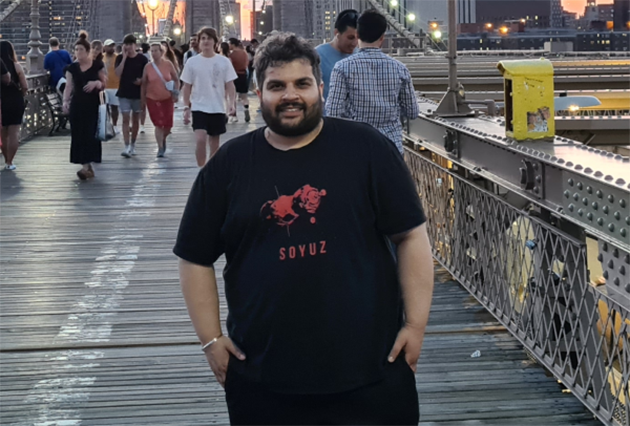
291,109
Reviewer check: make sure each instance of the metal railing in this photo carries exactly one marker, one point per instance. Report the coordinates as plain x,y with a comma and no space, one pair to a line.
37,116
534,278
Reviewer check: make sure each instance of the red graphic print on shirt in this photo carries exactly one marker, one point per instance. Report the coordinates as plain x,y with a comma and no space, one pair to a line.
286,209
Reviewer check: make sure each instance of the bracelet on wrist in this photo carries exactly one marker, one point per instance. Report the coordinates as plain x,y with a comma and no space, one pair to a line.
210,343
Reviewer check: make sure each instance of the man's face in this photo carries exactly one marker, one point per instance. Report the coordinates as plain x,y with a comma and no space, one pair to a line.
348,40
290,99
206,43
130,48
109,49
194,43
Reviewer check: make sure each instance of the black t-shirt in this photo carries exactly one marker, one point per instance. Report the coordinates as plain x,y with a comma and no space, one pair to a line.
134,68
312,289
3,68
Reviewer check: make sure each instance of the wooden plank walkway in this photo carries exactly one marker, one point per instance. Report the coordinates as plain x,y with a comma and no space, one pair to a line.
94,331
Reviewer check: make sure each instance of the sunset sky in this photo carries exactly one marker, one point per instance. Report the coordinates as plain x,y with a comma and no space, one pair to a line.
577,6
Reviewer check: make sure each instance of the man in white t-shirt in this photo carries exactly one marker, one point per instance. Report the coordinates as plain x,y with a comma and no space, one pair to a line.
207,78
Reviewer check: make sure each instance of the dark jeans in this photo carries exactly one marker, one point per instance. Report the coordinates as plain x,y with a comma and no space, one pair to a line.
392,401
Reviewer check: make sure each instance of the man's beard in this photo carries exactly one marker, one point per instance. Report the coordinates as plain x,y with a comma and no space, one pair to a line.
312,117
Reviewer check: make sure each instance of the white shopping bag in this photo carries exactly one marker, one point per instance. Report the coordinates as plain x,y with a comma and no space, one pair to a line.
105,129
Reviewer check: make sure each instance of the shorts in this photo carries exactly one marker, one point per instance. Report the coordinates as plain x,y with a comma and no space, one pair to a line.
391,401
112,99
213,124
241,83
161,112
128,105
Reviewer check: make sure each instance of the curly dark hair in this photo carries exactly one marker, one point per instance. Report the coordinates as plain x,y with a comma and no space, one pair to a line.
282,48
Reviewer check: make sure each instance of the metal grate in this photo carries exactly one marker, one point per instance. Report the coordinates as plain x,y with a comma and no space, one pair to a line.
534,279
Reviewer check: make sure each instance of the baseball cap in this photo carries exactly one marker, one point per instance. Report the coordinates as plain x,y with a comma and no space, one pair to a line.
109,42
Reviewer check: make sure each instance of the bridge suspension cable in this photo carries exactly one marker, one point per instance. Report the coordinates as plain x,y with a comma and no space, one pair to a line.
169,18
9,9
227,19
382,5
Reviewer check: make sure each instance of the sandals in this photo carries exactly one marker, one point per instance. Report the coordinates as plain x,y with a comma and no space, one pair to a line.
85,174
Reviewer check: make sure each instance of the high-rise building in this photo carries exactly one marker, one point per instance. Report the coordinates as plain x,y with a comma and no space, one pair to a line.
537,13
556,14
294,16
621,12
207,13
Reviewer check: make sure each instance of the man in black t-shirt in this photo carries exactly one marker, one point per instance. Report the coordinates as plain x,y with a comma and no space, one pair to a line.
325,327
130,67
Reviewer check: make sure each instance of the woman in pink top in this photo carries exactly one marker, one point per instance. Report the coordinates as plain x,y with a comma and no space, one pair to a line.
157,97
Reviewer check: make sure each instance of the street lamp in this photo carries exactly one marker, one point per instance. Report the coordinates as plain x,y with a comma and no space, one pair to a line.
229,19
411,17
394,3
437,34
153,5
504,30
177,31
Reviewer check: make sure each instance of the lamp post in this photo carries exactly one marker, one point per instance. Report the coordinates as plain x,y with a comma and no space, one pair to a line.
34,57
153,5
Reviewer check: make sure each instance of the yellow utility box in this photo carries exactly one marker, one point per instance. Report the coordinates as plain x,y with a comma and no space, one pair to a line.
529,100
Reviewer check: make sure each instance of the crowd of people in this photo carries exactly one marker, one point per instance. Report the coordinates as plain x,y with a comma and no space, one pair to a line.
359,81
132,80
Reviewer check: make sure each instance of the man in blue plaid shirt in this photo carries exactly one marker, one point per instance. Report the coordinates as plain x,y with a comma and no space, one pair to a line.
370,86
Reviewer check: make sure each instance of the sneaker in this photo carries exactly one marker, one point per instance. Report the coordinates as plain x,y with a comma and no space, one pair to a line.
126,152
160,152
132,149
10,167
83,175
247,117
233,119
116,130
141,129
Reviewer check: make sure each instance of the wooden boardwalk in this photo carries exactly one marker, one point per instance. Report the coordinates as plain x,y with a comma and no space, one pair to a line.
94,331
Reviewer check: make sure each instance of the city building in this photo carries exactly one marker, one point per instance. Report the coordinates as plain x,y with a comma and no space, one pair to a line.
536,13
583,41
621,11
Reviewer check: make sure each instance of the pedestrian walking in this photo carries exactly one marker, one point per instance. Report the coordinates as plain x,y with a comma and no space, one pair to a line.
208,81
85,80
240,61
224,49
157,97
370,78
130,68
324,325
97,50
194,48
113,81
343,45
169,54
5,80
56,61
12,94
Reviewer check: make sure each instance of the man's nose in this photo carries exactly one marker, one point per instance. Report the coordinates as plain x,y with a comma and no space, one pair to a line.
290,93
